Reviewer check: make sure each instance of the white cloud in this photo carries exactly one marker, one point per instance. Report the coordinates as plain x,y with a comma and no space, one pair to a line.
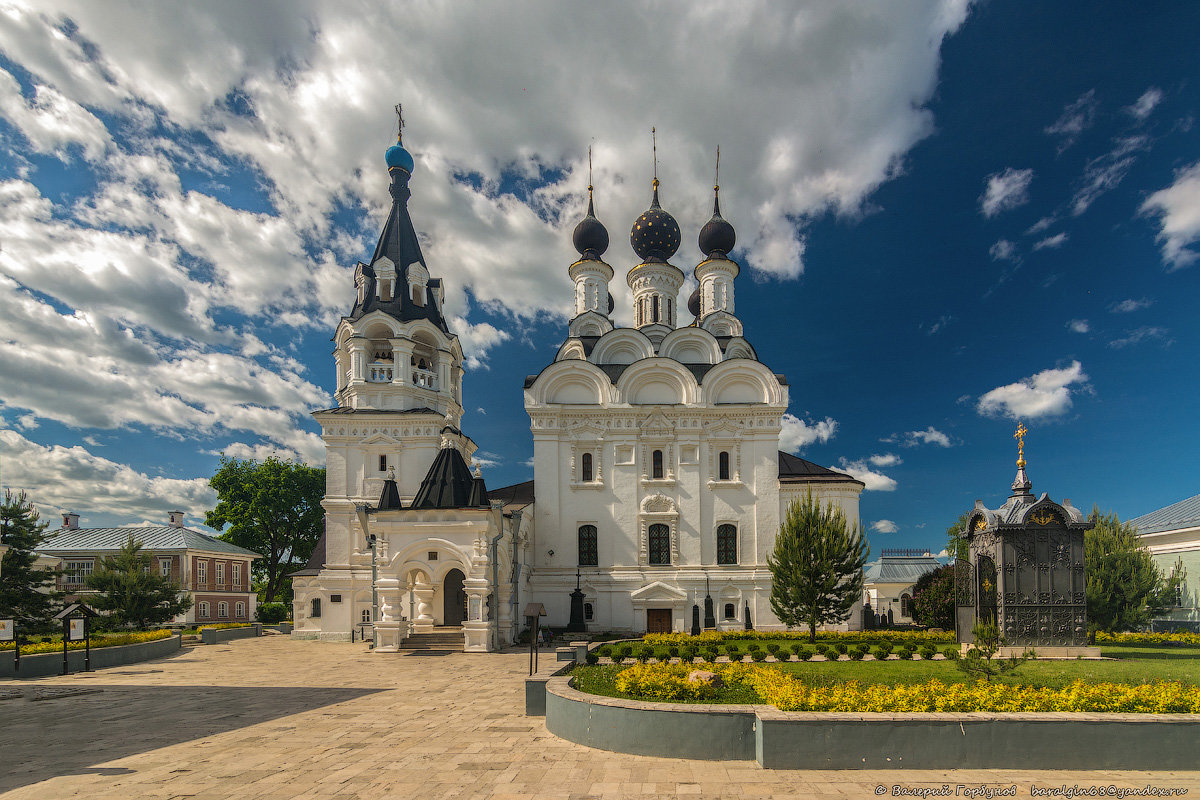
1054,241
1003,250
884,526
930,435
1005,191
941,323
885,460
1074,120
1143,334
1079,326
1041,225
875,481
51,123
798,434
1145,104
1046,394
1130,305
1178,210
256,452
72,479
1104,172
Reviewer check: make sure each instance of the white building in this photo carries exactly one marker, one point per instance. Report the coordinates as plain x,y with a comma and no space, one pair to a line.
1172,535
657,472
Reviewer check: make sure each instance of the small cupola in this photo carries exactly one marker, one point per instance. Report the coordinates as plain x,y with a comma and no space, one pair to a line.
175,519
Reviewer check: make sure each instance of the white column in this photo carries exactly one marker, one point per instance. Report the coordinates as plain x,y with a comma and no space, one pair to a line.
391,628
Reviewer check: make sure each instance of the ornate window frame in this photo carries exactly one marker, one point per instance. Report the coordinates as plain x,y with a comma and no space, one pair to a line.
579,543
592,444
725,443
658,509
737,543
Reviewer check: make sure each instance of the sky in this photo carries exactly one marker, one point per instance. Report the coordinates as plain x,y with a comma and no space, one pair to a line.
950,216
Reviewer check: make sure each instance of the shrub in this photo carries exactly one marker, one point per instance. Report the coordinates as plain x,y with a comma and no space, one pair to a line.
842,648
754,647
856,654
604,651
758,655
625,651
673,650
885,646
664,653
687,654
863,648
927,652
734,652
804,653
272,613
905,654
49,645
711,652
592,658
951,653
881,654
796,648
830,653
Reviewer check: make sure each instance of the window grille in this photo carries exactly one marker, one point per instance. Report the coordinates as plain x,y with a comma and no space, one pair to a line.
202,572
241,610
75,573
730,613
316,608
586,468
202,609
726,544
723,466
659,544
656,468
222,610
588,549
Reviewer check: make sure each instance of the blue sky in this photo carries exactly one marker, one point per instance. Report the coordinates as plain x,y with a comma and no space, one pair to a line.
950,215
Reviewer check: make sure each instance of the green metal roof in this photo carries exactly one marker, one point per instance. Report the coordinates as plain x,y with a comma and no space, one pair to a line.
152,537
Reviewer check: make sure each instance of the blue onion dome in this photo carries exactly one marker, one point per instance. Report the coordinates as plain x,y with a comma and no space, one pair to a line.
399,158
694,302
655,234
590,237
717,237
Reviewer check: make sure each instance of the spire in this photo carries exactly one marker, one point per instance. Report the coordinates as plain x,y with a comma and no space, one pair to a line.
389,498
717,237
654,183
590,237
1021,485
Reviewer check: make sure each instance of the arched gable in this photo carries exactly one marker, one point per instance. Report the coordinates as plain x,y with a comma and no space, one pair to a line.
572,382
690,346
657,381
742,381
622,346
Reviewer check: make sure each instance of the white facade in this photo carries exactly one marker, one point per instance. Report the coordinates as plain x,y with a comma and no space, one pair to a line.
659,444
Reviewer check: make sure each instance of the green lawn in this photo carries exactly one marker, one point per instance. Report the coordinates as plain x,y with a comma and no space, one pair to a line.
1128,664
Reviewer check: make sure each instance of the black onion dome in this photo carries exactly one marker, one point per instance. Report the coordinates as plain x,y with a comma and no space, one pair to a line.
611,303
590,234
717,236
694,302
655,234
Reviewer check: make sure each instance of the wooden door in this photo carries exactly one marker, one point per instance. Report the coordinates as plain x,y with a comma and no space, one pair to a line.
658,620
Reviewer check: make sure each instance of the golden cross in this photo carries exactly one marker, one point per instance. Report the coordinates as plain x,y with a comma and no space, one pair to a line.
1020,437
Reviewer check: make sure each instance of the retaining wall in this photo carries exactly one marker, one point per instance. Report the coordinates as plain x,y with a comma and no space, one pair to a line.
218,635
794,740
44,664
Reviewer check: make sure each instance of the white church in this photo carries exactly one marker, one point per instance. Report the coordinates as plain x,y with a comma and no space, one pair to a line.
658,483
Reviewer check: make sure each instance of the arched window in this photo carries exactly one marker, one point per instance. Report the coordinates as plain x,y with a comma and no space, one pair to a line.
730,613
669,310
723,466
659,544
586,470
726,544
588,612
316,608
589,555
654,308
656,465
365,616
905,605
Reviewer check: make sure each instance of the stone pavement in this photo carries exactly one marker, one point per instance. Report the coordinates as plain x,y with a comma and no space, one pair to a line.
276,718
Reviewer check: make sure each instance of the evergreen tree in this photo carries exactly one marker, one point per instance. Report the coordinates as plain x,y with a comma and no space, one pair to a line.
133,592
1124,585
272,507
26,593
817,566
933,599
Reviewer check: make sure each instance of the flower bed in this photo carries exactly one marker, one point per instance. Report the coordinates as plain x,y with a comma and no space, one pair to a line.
849,637
668,682
218,626
98,640
1192,639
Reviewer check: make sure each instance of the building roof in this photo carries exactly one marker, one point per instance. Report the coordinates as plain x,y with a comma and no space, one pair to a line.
316,561
450,484
514,497
899,569
793,469
1184,514
152,537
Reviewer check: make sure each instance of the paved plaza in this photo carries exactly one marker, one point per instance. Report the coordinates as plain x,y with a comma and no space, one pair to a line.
276,718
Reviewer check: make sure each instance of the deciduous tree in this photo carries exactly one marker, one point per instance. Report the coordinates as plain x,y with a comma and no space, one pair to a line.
933,599
1124,585
817,566
26,591
272,507
956,538
135,595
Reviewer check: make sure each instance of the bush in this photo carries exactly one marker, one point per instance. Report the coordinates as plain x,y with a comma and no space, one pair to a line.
796,648
734,652
49,645
842,648
711,652
687,654
673,650
905,654
804,653
604,651
754,647
625,651
951,653
885,646
758,655
863,648
881,654
645,653
663,654
593,658
856,654
773,649
830,653
927,652
272,613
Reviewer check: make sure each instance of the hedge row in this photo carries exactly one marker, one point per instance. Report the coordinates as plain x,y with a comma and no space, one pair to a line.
736,651
98,640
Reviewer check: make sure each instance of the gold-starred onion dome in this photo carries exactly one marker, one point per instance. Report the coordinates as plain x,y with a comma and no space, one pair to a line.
655,234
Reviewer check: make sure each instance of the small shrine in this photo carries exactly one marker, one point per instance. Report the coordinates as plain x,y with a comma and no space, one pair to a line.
1025,570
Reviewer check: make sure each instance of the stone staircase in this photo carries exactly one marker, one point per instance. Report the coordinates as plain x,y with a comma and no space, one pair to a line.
441,638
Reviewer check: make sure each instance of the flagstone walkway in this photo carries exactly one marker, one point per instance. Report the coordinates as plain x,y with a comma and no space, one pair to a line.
275,718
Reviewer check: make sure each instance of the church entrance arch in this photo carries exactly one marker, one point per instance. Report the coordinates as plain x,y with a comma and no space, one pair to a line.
454,598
